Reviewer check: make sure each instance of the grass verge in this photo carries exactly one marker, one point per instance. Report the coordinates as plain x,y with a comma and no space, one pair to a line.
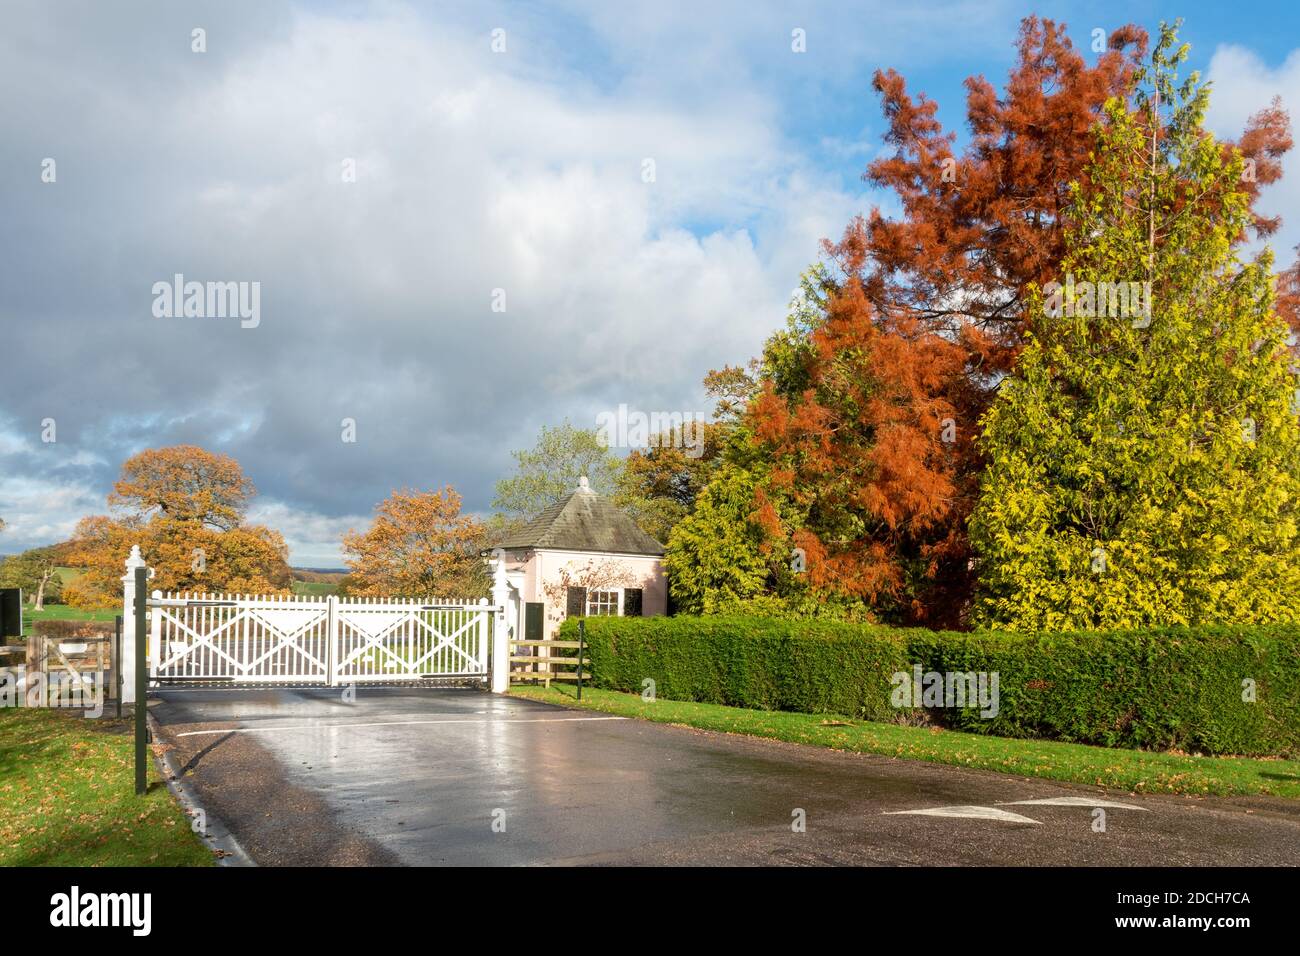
63,612
67,797
1136,771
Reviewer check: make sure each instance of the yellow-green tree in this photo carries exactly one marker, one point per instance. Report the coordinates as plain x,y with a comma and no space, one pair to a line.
1144,462
658,485
717,555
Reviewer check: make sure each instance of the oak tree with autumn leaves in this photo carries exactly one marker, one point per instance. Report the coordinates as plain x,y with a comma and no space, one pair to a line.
186,508
860,445
419,545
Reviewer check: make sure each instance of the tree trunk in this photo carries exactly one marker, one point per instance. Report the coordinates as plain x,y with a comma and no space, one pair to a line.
40,590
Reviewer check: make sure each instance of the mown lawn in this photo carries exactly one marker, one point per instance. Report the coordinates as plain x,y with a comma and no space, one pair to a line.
62,612
67,797
1135,771
314,588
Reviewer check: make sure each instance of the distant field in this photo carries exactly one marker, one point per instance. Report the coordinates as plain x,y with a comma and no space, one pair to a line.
61,612
316,582
68,575
314,587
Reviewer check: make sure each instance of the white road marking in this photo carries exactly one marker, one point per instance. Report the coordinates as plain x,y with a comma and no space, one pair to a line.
394,723
1072,802
970,813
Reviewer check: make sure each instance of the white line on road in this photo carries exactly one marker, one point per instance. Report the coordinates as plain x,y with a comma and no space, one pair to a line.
394,723
1072,802
971,813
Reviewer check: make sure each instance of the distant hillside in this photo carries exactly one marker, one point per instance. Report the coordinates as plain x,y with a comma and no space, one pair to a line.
327,575
314,587
317,581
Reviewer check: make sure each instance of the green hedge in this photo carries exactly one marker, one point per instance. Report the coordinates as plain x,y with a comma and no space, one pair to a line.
764,663
1172,688
63,628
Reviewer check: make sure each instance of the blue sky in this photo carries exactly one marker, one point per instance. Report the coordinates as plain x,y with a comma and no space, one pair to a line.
476,171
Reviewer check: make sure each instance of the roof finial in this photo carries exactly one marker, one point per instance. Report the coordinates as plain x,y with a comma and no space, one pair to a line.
583,485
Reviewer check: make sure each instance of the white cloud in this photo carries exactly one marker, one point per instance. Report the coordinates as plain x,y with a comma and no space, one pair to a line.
475,172
314,539
11,442
1243,85
41,511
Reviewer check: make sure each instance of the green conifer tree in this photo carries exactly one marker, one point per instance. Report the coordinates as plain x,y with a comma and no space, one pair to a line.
1144,459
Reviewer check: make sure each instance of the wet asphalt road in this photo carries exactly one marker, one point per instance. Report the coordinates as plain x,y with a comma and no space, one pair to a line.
455,776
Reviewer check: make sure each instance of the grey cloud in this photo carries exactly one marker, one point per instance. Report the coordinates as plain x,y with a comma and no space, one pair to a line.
473,174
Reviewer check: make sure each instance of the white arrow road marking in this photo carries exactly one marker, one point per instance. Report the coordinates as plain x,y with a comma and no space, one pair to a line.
971,813
1072,802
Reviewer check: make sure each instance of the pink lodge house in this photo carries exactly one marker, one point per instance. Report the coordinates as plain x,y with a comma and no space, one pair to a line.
581,556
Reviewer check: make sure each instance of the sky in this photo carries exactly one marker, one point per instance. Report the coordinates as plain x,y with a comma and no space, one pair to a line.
448,209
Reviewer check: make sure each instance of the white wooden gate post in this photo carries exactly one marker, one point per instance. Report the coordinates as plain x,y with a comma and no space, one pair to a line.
332,639
127,661
155,637
482,626
500,627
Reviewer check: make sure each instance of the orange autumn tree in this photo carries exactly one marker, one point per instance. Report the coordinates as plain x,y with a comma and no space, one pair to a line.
419,545
184,483
186,508
866,494
874,469
1288,297
980,226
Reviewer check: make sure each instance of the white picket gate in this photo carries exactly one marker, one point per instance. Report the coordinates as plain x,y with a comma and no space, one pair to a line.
316,640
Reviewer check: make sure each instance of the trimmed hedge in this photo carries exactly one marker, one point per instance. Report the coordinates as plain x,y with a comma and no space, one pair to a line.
763,663
1163,689
72,629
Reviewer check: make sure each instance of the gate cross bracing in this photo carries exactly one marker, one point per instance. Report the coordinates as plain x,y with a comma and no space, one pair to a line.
316,640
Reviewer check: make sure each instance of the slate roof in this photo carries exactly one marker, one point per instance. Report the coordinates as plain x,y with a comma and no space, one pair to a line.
584,521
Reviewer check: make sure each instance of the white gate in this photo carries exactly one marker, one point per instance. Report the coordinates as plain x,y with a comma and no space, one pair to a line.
316,640
403,640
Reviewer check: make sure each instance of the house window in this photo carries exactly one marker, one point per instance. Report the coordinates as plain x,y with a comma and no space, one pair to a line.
602,603
576,602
